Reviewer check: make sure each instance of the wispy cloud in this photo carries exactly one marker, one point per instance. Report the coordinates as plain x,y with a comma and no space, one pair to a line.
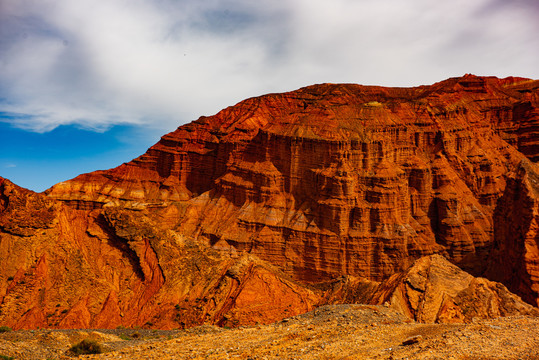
161,63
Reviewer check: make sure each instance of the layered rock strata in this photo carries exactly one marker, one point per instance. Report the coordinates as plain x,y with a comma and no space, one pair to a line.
337,179
434,290
66,268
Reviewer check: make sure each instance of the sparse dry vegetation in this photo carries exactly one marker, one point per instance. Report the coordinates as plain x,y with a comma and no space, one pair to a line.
85,347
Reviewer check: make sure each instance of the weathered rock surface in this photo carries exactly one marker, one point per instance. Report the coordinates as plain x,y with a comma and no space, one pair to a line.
329,332
345,179
66,268
284,202
434,290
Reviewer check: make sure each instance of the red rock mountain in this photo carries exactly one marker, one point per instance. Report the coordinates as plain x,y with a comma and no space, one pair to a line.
243,216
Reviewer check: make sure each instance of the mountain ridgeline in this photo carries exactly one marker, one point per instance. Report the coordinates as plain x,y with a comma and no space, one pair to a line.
425,199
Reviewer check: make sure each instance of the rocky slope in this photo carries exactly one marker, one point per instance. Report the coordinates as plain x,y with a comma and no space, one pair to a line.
285,202
433,290
68,268
348,179
65,268
329,332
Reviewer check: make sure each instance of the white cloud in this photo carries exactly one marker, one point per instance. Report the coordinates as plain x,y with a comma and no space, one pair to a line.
161,63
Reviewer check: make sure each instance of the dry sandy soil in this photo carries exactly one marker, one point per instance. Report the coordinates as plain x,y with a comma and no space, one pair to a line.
329,332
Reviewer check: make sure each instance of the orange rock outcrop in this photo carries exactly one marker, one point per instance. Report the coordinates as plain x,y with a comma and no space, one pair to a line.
432,290
243,216
66,268
340,179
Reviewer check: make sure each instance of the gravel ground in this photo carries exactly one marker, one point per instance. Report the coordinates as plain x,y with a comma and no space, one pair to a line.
329,332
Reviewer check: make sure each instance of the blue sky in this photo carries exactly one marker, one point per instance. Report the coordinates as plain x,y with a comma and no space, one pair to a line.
89,84
39,160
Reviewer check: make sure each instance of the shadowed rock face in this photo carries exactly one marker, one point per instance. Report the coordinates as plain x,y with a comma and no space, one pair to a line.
515,258
285,190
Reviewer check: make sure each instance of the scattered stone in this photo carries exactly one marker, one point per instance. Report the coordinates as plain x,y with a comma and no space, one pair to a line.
497,339
412,340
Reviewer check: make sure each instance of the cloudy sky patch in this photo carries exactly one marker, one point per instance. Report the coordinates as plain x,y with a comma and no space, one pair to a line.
162,63
157,64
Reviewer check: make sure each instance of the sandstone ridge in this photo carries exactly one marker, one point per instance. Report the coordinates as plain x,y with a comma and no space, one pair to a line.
328,194
68,268
337,179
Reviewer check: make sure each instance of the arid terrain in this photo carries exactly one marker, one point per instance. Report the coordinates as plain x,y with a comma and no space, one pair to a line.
329,332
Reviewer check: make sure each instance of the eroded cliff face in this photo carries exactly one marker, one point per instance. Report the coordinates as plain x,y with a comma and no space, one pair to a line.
284,202
515,258
66,268
69,268
338,179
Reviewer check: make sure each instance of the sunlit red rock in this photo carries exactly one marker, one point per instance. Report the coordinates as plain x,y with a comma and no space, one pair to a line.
338,179
434,290
66,268
228,219
431,290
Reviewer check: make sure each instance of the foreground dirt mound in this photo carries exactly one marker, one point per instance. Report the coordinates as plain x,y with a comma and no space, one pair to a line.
329,332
